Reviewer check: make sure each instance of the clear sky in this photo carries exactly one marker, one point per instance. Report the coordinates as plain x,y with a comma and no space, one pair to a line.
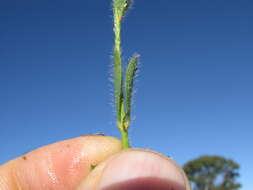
194,91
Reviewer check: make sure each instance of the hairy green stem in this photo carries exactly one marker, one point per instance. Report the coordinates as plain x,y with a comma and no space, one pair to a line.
122,97
124,137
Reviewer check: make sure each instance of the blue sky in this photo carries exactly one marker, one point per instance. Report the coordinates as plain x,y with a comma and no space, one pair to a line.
194,90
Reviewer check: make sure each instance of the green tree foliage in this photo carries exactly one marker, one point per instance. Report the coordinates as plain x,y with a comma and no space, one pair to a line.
212,173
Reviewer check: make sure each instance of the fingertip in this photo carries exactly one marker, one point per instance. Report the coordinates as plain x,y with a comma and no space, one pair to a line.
136,169
97,148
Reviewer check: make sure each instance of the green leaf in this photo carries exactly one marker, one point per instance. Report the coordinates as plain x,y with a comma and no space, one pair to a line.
118,93
129,83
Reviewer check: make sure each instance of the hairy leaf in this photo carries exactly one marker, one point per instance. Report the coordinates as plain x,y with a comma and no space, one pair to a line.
129,83
118,93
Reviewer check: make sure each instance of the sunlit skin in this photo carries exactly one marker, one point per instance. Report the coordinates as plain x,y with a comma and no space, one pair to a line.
59,166
66,165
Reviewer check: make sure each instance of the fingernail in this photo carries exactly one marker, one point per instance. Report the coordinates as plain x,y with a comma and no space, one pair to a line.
137,170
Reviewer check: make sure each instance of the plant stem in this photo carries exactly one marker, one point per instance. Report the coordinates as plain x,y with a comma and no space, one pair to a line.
118,74
124,138
122,97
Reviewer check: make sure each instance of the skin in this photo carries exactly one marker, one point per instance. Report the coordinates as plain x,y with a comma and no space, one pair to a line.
66,165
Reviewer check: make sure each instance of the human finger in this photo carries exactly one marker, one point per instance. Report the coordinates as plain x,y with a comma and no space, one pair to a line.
57,166
136,169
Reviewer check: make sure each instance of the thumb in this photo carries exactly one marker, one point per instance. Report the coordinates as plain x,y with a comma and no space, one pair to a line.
58,166
136,169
